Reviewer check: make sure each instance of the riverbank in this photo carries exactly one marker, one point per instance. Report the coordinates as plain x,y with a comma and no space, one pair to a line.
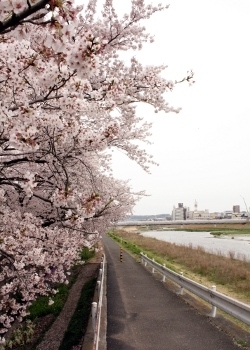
235,246
231,228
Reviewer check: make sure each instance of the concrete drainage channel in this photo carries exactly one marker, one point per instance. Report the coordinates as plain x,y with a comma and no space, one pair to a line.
95,336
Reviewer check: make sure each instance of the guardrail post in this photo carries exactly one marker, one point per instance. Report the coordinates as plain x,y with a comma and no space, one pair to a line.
145,260
153,270
214,308
182,289
163,276
93,314
100,274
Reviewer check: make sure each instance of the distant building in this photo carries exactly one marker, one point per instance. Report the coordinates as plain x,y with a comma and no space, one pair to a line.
217,215
183,213
179,213
236,209
198,214
227,214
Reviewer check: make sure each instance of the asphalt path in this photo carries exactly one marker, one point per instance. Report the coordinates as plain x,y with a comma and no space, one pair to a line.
142,314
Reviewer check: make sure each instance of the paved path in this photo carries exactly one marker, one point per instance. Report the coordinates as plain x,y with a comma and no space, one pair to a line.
143,315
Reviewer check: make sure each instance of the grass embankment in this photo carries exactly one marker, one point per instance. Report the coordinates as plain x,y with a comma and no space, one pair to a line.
42,315
229,273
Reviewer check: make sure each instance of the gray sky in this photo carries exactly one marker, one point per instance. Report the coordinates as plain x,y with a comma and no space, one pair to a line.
203,151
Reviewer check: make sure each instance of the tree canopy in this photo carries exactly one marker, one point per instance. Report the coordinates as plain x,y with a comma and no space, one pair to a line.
66,97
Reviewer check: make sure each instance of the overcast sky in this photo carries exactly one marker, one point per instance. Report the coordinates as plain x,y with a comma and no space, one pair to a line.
203,152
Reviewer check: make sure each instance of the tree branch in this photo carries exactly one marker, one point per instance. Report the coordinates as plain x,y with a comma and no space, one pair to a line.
16,19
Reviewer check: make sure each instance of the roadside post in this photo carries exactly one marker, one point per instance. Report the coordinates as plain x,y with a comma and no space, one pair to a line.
120,254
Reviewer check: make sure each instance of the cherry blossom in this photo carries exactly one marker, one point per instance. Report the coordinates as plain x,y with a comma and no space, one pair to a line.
66,99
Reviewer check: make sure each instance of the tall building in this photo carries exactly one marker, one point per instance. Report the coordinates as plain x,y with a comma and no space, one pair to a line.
236,209
179,213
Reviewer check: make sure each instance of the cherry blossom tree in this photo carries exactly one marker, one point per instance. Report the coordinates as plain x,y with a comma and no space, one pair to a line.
66,97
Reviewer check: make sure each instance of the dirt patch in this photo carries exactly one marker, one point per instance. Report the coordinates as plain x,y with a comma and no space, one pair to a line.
41,326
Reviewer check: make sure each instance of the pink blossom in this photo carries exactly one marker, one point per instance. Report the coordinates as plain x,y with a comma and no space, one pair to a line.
66,100
19,5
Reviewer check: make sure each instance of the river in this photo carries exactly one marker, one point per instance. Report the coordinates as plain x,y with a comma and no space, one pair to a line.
237,247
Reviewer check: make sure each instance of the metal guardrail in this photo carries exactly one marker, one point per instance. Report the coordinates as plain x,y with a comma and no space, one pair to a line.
97,306
231,306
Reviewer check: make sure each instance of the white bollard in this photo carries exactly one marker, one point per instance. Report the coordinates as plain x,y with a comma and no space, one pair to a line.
163,276
182,289
213,311
153,270
100,274
142,258
93,314
102,263
98,287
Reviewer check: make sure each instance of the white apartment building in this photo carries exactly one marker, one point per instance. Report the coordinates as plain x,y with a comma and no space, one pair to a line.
179,213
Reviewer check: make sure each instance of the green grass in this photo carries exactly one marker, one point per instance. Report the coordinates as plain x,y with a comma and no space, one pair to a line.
133,248
136,249
41,306
87,254
78,323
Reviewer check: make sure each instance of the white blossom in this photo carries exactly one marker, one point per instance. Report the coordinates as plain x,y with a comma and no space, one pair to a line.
66,100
